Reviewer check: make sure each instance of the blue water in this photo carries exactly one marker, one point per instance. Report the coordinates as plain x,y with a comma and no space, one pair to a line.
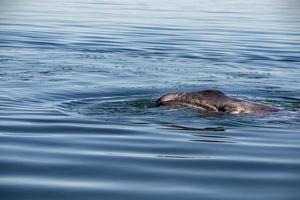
78,83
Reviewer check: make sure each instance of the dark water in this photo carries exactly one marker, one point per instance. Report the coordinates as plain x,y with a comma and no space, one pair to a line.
78,82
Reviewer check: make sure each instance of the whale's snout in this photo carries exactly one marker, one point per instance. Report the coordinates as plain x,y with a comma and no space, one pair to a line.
163,100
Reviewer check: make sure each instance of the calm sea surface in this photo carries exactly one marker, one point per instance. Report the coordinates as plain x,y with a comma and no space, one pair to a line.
78,82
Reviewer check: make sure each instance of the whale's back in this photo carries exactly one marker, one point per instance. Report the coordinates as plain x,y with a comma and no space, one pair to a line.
212,100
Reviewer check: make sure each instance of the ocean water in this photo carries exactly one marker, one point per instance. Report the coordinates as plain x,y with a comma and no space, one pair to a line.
78,82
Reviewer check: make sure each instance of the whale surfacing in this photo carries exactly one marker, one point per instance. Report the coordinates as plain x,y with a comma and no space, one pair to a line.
212,101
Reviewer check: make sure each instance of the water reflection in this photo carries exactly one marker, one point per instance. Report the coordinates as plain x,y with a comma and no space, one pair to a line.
185,128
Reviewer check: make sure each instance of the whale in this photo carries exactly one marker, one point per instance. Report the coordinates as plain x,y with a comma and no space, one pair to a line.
212,101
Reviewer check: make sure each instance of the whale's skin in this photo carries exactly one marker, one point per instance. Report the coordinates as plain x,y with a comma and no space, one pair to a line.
212,101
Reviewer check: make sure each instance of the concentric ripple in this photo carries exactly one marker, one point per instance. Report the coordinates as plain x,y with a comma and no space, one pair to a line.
142,109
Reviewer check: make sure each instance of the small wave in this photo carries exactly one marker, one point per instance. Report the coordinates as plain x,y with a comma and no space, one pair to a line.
250,75
108,108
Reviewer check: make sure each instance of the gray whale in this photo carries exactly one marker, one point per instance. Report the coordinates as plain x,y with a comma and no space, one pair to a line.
212,101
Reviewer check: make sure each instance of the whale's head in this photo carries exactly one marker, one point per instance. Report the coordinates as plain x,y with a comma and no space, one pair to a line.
169,99
207,100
